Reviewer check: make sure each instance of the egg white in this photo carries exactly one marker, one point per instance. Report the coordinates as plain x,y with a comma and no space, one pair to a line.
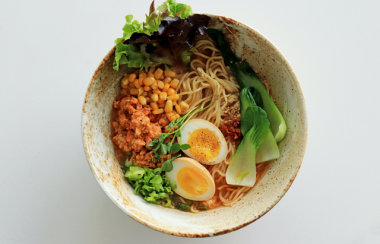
180,163
196,124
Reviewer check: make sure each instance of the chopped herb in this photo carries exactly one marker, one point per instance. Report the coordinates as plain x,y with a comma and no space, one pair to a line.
202,207
153,185
182,206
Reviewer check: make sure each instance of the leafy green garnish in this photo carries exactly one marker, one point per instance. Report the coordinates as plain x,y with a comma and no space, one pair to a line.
153,185
160,50
171,8
130,27
168,165
246,76
185,146
176,147
136,58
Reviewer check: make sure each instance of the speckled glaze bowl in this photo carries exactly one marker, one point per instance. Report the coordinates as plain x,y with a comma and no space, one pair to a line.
269,63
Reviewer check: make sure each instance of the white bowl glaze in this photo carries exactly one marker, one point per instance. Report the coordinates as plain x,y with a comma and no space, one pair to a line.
269,63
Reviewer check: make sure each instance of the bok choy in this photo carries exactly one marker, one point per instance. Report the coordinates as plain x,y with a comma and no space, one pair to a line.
250,96
242,168
245,76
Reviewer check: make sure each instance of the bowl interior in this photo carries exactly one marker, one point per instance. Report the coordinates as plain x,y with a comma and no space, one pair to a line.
269,64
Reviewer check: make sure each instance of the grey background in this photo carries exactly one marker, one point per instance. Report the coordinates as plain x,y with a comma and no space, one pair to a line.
49,51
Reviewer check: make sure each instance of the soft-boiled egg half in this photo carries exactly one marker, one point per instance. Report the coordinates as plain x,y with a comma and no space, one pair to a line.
207,143
193,180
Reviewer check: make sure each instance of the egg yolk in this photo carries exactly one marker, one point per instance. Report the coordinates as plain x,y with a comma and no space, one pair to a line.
192,181
205,144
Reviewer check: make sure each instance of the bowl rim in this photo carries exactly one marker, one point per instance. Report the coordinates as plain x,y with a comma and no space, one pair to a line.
274,203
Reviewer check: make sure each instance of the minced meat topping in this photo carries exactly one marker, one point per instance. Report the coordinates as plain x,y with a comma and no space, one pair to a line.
134,128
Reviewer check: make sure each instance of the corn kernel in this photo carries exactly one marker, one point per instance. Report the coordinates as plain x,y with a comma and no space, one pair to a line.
166,87
157,91
136,83
169,73
163,96
134,91
184,106
174,97
160,84
178,109
169,106
142,76
176,114
158,111
154,85
170,116
160,101
132,77
125,80
154,97
154,105
142,100
174,83
170,91
167,80
148,81
158,73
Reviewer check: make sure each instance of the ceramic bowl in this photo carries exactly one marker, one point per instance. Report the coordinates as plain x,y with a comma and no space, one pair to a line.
268,61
